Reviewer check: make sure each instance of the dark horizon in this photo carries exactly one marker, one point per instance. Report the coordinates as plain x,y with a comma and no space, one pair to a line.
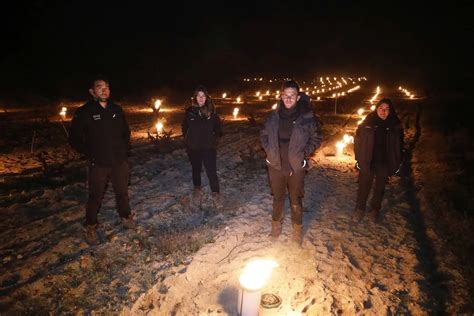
55,48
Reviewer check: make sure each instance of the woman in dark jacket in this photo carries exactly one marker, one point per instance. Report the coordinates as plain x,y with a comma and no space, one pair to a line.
201,127
378,148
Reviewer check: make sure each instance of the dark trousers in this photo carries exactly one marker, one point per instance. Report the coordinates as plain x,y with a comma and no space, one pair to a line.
279,183
206,157
97,179
365,180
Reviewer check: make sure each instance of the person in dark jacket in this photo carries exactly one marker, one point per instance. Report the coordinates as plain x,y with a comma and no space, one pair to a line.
378,146
100,131
201,127
290,135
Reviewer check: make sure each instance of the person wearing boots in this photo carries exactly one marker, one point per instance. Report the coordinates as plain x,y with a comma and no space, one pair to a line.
378,147
201,127
100,131
290,135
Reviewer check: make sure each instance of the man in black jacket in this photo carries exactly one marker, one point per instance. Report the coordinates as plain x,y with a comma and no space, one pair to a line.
291,134
100,131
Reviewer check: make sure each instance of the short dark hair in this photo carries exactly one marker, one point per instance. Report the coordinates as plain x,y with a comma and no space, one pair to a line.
97,78
290,84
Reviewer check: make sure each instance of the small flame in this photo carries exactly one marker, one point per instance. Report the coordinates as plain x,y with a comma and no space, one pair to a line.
238,100
274,106
235,113
372,108
260,97
224,95
257,94
256,273
360,111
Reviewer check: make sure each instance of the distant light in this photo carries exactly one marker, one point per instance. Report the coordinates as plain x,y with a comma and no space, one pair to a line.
157,104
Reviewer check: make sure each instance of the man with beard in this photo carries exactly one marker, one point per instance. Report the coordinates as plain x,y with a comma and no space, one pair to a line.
290,135
100,131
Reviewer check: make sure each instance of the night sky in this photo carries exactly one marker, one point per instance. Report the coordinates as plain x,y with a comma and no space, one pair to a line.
51,48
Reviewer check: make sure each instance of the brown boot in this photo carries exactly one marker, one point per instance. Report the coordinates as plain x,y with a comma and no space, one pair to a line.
196,201
128,222
217,201
297,234
276,229
91,235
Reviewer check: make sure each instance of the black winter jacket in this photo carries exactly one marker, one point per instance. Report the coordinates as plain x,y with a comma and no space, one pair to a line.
101,134
364,142
200,131
305,138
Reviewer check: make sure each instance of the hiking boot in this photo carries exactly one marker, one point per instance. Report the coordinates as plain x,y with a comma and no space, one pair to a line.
217,200
128,222
297,237
358,215
196,200
373,215
91,235
276,229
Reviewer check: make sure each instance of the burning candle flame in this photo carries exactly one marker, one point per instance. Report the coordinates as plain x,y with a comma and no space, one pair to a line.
224,95
157,104
63,112
256,274
159,127
274,106
235,113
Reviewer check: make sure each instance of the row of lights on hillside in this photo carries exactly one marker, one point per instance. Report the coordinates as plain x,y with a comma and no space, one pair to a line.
406,92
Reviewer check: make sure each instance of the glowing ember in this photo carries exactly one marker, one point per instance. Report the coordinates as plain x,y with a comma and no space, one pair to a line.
157,104
235,113
256,274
